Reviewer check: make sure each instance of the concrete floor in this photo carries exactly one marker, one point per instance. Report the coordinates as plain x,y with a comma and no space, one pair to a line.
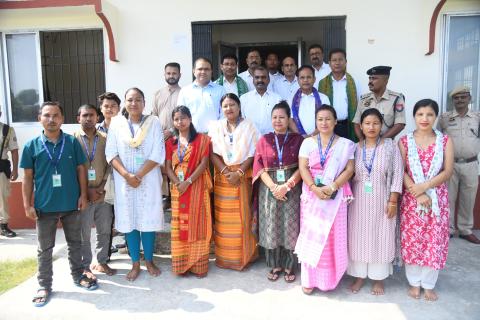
227,294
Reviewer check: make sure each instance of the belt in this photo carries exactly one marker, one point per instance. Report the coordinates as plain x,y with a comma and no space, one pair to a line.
463,160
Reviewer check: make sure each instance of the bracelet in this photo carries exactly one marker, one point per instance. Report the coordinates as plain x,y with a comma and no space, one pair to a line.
291,183
224,168
240,171
392,205
274,187
189,180
332,188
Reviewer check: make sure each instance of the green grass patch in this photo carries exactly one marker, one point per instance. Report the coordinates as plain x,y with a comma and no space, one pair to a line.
12,273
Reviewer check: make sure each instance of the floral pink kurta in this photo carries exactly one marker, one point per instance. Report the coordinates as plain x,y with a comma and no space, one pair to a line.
424,240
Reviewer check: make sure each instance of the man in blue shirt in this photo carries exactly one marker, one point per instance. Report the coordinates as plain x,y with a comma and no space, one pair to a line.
53,163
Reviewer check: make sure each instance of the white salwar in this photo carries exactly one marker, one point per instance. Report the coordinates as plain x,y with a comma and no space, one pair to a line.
137,208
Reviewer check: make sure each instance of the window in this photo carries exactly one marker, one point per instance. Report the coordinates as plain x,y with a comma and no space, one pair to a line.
65,66
462,56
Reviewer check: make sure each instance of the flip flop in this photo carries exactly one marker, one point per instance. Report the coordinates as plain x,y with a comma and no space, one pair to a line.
45,296
274,275
86,283
287,275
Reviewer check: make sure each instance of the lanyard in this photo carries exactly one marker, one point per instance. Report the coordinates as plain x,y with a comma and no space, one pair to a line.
280,151
369,166
230,136
53,161
323,156
130,125
181,155
90,156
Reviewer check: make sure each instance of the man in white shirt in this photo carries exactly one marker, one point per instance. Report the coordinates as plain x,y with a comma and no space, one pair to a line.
202,96
229,78
287,85
257,105
253,60
272,62
322,69
343,92
304,103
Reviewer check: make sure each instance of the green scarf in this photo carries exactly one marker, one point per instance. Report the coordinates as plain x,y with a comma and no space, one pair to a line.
242,86
325,87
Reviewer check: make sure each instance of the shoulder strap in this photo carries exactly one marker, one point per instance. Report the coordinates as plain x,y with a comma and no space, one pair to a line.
5,130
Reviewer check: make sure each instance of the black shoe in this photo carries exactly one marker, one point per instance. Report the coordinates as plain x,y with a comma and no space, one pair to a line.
6,232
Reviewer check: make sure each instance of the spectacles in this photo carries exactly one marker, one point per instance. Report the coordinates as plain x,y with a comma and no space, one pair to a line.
461,97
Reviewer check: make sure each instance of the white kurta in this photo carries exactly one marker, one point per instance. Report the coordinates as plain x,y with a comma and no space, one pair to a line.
137,208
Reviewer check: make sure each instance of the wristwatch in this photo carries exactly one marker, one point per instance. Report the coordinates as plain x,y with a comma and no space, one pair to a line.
189,180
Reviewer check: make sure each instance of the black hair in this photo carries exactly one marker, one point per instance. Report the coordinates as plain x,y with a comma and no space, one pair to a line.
282,105
173,65
230,56
186,112
303,67
50,103
87,107
326,107
426,103
109,96
294,61
315,45
135,89
371,112
337,50
235,98
202,59
253,50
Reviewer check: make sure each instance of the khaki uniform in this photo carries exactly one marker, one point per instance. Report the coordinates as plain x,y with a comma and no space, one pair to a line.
10,144
465,135
391,105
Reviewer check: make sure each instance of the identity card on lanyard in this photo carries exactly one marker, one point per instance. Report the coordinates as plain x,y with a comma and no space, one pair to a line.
56,177
181,155
368,185
138,157
92,175
323,157
280,172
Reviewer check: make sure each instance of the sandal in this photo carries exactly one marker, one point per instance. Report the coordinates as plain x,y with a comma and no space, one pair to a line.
307,291
274,275
41,298
87,283
289,276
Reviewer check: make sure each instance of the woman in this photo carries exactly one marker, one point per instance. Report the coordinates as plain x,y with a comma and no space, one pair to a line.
233,144
326,164
187,168
135,155
377,185
277,194
428,161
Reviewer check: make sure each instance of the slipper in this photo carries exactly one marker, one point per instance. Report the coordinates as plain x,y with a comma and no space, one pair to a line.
274,275
41,298
289,276
86,283
307,291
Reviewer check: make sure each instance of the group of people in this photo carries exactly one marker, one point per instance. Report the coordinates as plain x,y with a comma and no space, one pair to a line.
285,174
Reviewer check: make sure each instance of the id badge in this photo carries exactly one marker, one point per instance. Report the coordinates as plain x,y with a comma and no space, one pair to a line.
138,160
368,187
57,180
92,175
318,179
181,176
280,175
229,156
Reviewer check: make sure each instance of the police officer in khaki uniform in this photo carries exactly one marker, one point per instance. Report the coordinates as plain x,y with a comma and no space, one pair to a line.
390,104
462,125
8,172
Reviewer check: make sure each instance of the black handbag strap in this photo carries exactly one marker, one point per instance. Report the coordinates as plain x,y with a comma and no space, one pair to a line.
5,130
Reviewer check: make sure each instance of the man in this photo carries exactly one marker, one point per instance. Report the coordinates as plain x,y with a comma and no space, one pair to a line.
257,105
164,101
98,213
253,60
287,85
203,96
304,102
229,79
8,172
54,163
109,107
322,69
342,91
272,62
462,126
390,104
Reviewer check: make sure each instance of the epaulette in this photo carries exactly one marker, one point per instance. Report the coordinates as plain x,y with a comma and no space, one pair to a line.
393,93
365,95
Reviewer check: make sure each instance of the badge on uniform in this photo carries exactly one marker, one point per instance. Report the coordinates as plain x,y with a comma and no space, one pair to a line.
138,159
181,176
92,175
318,179
368,187
281,175
56,180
